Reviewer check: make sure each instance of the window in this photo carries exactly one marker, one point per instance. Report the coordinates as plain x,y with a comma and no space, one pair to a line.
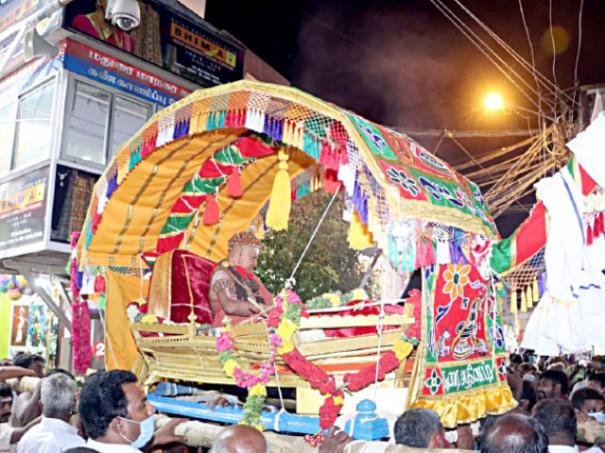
98,122
7,131
87,116
33,134
127,117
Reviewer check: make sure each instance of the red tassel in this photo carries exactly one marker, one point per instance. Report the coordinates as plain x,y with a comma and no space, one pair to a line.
331,182
211,213
599,226
234,185
99,285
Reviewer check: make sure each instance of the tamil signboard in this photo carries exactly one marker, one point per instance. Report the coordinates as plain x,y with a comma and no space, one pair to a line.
186,46
22,209
13,11
110,71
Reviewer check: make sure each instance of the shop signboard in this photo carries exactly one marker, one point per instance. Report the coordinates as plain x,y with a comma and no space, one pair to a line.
183,45
22,210
13,11
113,72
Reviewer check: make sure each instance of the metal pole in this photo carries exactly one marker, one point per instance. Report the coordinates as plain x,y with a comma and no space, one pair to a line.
46,298
368,273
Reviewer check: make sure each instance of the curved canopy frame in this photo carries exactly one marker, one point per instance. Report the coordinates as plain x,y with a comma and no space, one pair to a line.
153,196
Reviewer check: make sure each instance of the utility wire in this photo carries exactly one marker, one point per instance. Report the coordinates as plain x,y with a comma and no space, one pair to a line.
576,82
485,49
530,68
459,133
533,58
554,52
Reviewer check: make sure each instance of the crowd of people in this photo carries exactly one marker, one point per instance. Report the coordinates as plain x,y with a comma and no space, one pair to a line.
561,410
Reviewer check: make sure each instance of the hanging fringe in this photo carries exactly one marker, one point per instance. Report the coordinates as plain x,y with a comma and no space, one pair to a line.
234,185
529,297
211,212
536,291
523,302
280,204
359,238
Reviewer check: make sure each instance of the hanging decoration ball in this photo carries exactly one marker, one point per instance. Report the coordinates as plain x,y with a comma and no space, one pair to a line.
14,294
21,281
28,291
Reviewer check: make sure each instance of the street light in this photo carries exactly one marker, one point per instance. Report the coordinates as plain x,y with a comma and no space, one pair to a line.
494,102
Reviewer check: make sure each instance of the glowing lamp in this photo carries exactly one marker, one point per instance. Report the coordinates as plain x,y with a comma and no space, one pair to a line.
493,102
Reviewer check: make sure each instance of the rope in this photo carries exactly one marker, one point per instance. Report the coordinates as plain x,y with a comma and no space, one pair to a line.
276,419
290,282
379,328
111,351
281,396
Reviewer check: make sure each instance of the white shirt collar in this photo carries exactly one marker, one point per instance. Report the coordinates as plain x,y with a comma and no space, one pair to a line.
110,448
55,424
563,449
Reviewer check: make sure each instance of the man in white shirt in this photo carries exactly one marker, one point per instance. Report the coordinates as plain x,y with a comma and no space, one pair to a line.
117,416
54,434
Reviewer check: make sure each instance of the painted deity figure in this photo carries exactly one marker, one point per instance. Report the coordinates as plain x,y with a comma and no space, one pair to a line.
95,25
234,289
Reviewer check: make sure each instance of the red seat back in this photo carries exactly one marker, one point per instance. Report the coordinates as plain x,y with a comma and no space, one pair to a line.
190,279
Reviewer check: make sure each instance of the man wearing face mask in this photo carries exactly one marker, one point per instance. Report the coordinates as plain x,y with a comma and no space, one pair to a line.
117,416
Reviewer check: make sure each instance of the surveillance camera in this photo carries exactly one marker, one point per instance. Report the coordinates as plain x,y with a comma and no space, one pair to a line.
126,14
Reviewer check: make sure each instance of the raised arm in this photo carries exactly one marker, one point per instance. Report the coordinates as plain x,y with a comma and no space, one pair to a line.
224,288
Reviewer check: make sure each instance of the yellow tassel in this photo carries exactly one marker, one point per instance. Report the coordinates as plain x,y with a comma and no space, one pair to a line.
359,237
513,300
529,297
281,197
536,291
287,133
523,302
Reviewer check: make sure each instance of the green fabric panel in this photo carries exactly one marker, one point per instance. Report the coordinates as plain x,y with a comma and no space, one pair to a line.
176,223
231,156
373,138
207,185
501,259
467,377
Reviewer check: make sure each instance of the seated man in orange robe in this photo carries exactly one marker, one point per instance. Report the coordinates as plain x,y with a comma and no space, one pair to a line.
234,289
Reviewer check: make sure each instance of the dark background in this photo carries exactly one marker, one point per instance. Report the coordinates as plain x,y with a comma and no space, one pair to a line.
403,64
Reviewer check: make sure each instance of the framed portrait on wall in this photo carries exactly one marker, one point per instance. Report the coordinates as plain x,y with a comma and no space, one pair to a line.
19,325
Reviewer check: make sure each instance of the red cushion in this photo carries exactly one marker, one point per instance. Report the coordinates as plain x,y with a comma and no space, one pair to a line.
190,278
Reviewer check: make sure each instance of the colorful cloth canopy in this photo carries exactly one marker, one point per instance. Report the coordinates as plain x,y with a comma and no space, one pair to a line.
154,195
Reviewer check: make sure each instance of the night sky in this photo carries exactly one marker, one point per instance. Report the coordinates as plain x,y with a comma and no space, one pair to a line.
403,64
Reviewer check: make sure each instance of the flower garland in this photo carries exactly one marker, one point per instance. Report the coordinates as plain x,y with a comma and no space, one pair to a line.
80,318
289,310
257,392
283,322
